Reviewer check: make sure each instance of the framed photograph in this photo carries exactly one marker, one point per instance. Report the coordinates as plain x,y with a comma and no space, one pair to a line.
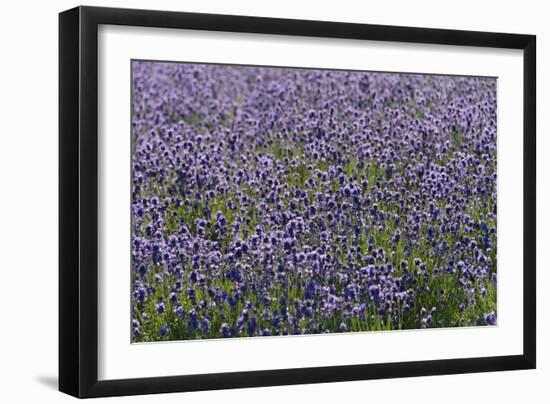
251,201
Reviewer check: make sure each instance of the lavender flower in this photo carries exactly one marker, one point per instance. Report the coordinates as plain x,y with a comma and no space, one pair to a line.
278,201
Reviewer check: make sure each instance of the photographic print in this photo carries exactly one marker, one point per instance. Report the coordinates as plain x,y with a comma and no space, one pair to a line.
272,201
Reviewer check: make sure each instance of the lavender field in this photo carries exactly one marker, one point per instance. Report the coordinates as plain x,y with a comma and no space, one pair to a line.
278,201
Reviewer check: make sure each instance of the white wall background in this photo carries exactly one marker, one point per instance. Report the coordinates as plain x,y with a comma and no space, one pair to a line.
28,199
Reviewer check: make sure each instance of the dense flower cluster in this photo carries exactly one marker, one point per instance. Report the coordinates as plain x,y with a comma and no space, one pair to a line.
275,201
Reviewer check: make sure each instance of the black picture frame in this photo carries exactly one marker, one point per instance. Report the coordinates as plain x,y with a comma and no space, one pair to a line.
78,201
